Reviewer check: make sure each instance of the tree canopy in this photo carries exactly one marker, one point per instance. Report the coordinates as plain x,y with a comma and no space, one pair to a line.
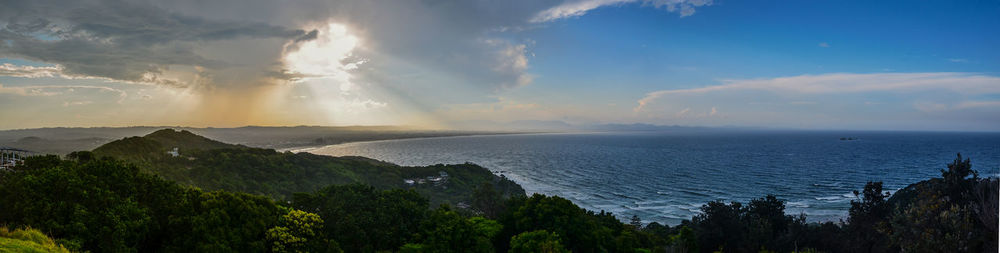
86,203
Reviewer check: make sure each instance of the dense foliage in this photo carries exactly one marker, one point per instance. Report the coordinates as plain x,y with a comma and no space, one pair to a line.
957,212
213,165
108,205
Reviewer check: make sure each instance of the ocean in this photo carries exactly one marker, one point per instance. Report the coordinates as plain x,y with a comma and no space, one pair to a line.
666,176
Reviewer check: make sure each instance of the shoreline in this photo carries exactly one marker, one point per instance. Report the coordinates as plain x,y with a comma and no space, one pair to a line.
309,148
816,206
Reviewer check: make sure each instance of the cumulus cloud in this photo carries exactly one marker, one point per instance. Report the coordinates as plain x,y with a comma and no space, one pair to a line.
511,63
831,98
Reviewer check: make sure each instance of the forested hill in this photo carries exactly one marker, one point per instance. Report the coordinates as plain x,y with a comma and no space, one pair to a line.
155,145
213,165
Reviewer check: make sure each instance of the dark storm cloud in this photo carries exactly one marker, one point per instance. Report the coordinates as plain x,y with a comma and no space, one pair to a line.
242,41
309,36
464,40
122,40
138,24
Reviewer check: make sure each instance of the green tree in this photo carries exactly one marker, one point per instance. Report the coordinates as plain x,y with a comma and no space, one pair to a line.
363,219
933,225
635,222
944,214
720,225
986,208
767,223
538,241
300,231
956,177
580,229
108,205
683,241
445,230
487,200
88,204
869,218
225,221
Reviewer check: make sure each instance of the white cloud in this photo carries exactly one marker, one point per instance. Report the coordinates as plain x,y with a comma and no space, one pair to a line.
978,104
578,8
684,112
368,104
52,90
931,107
573,9
77,103
324,57
830,99
824,44
58,71
958,60
511,60
962,105
963,83
8,69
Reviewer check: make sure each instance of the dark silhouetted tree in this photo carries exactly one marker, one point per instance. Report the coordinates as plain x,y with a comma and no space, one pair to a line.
635,222
956,177
869,218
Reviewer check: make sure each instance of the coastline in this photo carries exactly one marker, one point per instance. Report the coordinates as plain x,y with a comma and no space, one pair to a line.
821,199
308,148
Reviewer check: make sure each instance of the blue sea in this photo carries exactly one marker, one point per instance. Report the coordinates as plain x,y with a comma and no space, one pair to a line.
667,176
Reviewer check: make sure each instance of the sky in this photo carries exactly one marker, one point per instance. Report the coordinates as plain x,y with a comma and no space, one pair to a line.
859,65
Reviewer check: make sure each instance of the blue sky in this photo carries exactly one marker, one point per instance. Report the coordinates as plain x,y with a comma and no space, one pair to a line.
885,65
745,40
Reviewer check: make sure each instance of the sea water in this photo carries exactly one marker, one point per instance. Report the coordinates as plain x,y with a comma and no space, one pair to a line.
667,176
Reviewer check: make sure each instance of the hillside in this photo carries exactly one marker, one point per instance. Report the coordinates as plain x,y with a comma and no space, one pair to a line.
213,165
64,140
27,240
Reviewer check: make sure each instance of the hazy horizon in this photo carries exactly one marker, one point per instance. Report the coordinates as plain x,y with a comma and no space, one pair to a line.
506,127
828,65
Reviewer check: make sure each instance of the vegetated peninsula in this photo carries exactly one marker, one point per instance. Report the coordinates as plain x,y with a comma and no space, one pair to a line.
194,160
140,194
63,140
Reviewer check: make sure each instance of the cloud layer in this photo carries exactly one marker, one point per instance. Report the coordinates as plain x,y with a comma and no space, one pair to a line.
833,100
127,40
